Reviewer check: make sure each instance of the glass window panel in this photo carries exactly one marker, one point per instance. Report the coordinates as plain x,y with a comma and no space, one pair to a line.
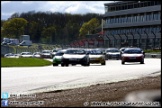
158,28
143,29
142,4
144,17
125,7
122,7
139,18
145,4
159,15
152,3
149,3
109,20
156,2
159,2
151,16
117,8
147,30
118,20
112,20
135,5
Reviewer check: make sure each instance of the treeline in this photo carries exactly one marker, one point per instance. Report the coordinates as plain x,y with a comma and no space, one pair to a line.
54,28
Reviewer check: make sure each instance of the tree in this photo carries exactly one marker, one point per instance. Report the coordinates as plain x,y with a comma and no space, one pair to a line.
14,27
48,34
89,27
93,23
84,29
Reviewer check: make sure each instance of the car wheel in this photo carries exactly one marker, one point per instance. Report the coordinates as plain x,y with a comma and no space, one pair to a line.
123,62
67,64
103,63
55,64
142,62
62,64
88,64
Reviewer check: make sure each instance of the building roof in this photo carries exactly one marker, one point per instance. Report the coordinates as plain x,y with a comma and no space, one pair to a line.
118,2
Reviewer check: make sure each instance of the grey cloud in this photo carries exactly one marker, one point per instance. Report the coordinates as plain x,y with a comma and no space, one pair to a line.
8,8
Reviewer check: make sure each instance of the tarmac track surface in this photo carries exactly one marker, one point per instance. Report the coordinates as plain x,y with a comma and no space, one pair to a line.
49,78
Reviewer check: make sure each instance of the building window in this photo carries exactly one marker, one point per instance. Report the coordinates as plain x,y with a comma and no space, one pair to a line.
129,19
130,6
152,3
151,16
126,19
117,19
135,5
156,2
158,29
120,7
143,29
136,18
144,17
112,8
109,9
142,4
140,30
117,8
145,4
159,15
120,20
108,20
156,16
133,30
106,9
125,7
149,3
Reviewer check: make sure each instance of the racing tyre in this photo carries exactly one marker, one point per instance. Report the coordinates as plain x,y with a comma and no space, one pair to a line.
67,65
62,64
103,63
122,62
55,64
142,62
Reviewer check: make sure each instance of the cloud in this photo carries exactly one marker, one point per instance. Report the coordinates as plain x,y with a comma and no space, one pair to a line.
74,7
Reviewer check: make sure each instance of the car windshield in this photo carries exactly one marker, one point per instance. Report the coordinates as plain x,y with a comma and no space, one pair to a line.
46,51
37,53
10,54
133,51
59,54
115,50
28,53
75,52
54,50
95,52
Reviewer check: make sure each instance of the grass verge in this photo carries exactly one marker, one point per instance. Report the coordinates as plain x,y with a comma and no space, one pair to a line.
24,62
153,51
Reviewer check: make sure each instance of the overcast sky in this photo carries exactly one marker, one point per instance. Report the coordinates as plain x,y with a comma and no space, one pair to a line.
74,7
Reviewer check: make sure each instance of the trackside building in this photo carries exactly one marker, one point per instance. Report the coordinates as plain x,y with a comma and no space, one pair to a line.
132,23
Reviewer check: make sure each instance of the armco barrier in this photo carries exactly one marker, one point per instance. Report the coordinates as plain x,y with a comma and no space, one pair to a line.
7,49
150,55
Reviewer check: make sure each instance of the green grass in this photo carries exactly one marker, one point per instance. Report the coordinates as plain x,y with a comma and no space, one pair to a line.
24,62
153,51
